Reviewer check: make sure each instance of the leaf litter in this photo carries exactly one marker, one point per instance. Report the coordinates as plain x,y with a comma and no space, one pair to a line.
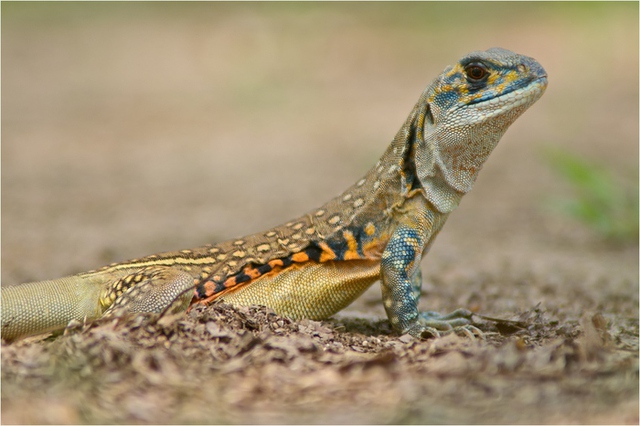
225,364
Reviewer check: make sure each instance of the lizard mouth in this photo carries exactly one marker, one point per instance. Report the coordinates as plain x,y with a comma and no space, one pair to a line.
516,98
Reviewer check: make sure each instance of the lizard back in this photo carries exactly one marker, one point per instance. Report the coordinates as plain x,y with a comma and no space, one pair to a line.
353,226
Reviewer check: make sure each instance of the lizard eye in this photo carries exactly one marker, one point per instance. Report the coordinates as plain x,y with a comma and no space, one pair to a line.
476,72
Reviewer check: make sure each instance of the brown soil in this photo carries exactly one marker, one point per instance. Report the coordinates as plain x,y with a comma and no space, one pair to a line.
130,129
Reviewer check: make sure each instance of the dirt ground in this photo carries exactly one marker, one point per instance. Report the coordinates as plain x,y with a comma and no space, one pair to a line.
129,129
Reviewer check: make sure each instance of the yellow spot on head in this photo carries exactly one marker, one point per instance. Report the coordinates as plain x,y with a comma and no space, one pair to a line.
457,68
239,253
491,80
511,76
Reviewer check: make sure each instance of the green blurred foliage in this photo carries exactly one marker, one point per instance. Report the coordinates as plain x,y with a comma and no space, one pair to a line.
422,16
603,199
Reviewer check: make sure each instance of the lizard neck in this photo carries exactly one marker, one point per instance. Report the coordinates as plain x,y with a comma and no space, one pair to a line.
447,156
381,194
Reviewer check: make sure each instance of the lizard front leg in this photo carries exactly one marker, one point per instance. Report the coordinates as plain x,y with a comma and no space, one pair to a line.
401,283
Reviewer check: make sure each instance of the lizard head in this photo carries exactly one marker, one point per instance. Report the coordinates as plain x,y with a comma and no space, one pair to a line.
463,114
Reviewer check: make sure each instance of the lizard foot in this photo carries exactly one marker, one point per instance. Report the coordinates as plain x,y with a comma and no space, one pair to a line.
434,324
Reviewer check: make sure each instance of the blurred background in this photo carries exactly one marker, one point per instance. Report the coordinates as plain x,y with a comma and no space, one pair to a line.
133,128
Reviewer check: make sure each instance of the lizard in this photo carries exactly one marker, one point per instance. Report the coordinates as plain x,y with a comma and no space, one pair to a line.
315,265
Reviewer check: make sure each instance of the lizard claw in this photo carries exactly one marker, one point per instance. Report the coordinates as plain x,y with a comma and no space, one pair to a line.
433,324
470,331
467,330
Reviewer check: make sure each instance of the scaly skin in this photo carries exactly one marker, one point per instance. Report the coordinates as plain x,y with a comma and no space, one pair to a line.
315,265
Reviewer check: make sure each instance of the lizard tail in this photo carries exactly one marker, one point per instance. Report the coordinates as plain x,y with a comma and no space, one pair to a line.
44,306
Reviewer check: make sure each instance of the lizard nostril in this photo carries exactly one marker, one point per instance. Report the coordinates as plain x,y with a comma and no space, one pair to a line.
522,67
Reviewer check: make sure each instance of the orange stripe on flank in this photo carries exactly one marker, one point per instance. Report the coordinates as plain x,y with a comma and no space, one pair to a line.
327,253
209,288
275,262
230,282
300,257
252,272
352,253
